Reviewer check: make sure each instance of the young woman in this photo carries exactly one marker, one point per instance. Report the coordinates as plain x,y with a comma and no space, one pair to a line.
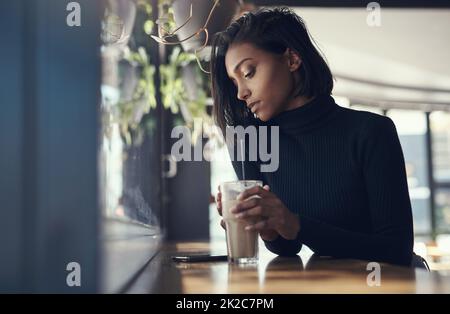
340,187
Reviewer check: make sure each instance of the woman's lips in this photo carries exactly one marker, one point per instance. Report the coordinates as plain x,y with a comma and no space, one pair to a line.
254,107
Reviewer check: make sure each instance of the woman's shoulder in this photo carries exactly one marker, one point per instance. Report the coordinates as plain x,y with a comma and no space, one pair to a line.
366,120
370,127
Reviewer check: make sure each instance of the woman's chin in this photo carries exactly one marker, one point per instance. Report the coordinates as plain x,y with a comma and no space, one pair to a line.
262,116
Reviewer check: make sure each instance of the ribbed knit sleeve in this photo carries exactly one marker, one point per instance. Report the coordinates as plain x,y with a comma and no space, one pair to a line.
391,237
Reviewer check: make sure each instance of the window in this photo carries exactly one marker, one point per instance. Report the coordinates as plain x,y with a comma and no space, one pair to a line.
129,146
440,135
129,152
440,128
411,128
442,201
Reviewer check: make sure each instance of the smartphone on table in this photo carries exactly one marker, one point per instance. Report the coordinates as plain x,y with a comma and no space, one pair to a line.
199,258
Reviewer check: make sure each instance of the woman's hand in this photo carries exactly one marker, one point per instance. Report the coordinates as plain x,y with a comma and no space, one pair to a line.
271,214
266,234
219,206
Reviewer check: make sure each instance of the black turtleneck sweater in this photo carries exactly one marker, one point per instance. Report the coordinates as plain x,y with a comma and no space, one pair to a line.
342,172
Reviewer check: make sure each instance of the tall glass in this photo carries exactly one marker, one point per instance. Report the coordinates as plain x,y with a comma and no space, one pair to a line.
242,245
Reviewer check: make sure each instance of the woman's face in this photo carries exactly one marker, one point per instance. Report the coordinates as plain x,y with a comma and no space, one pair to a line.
265,81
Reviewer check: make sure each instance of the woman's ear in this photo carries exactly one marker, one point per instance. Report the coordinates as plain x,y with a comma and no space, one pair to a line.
294,59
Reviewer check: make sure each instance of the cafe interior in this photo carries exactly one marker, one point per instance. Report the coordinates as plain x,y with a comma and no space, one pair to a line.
94,95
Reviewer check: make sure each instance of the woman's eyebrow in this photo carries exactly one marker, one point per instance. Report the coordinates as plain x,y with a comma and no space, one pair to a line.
239,64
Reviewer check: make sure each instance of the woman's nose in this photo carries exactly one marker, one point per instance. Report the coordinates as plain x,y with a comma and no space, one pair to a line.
243,93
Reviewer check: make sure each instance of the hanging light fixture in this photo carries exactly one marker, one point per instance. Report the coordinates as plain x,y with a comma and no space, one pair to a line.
198,21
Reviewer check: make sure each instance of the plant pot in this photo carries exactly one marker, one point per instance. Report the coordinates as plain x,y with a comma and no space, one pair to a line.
220,19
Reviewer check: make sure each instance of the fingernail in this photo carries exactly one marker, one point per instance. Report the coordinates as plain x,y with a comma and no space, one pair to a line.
248,228
233,210
239,216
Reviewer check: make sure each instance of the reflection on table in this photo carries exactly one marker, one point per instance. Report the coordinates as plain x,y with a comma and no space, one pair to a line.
299,274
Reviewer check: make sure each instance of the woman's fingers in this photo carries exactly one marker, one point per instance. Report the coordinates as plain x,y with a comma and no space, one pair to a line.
261,225
245,205
219,203
257,210
246,202
222,223
256,190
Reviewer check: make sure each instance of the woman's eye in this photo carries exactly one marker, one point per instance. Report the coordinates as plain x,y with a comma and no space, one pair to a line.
249,74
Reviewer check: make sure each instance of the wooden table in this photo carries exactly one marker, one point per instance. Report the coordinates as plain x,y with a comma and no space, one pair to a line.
305,273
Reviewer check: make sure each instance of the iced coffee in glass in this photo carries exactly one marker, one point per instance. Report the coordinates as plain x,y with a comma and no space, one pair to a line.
242,245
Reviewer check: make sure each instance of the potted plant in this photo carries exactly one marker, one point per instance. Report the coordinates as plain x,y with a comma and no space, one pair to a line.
137,94
183,85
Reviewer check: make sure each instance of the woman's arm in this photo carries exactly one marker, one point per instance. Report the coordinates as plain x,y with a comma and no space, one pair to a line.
391,237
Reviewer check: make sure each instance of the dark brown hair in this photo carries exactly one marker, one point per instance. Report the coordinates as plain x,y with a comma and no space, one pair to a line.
272,30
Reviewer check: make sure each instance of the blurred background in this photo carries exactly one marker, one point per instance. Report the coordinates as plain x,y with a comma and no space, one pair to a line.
91,92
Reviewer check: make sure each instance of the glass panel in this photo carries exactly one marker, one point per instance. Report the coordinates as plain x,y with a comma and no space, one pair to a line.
411,128
128,147
442,202
440,132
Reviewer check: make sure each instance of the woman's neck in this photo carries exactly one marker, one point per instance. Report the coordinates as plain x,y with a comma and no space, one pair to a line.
309,116
297,102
